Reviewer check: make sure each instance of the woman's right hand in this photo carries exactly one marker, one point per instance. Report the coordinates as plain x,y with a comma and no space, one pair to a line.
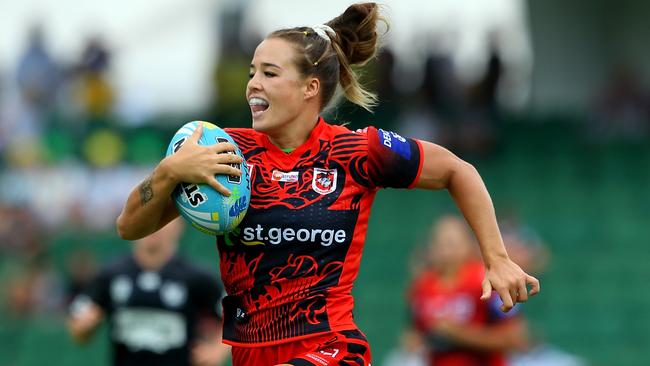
194,163
149,206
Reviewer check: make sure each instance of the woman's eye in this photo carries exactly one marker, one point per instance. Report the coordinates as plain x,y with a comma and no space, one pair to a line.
250,75
269,74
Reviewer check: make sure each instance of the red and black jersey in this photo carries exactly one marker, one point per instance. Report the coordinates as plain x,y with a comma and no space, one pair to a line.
290,265
432,299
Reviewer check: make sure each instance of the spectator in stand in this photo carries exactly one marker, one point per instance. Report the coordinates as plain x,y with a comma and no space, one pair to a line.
95,91
38,74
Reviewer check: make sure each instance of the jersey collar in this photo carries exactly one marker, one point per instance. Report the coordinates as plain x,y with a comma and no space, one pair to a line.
287,161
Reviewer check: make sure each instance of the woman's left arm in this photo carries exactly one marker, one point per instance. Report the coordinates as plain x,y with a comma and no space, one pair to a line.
443,170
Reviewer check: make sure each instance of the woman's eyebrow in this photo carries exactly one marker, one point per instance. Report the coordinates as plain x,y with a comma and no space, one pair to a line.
267,64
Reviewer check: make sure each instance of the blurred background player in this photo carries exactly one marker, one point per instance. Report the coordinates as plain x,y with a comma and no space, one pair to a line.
161,309
457,327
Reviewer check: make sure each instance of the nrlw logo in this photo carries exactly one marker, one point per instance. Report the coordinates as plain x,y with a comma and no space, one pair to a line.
275,236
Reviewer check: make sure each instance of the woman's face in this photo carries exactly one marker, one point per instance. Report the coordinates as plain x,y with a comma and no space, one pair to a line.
450,244
276,90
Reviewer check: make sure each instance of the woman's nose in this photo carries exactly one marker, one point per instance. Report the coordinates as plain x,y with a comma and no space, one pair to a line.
254,83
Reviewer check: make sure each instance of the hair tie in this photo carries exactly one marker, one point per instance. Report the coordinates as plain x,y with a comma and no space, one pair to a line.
324,31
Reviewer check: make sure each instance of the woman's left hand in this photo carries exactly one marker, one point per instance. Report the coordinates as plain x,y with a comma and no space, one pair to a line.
511,283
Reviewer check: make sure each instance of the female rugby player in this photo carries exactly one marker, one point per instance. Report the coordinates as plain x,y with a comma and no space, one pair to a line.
289,267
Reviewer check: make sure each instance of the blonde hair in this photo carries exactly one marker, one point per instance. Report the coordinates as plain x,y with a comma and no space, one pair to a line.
331,60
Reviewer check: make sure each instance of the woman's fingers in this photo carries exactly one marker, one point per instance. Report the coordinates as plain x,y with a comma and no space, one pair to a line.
518,293
229,159
221,169
223,147
511,283
196,135
487,290
534,283
206,162
522,292
227,170
506,298
214,183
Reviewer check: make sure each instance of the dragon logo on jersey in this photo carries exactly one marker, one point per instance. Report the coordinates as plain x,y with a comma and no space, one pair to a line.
324,181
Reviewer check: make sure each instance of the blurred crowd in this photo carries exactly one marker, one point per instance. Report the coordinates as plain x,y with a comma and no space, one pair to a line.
58,120
44,91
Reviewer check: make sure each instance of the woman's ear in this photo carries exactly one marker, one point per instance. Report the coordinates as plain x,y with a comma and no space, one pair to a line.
312,87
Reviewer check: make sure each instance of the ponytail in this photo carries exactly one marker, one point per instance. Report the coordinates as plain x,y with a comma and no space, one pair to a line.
356,44
331,56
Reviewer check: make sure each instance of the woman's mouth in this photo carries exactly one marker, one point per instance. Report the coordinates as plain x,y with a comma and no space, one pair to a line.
258,106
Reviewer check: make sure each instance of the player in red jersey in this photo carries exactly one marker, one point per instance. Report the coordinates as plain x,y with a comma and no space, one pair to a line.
289,267
458,328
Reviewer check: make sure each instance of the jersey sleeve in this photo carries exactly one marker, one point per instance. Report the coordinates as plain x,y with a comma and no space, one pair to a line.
393,161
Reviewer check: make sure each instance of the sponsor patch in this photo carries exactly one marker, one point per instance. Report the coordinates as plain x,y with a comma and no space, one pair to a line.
279,176
395,142
275,235
147,329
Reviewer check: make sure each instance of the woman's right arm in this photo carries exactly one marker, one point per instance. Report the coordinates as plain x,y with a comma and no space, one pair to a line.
149,206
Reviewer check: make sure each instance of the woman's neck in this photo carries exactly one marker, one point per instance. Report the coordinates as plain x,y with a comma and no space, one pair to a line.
449,274
291,136
153,260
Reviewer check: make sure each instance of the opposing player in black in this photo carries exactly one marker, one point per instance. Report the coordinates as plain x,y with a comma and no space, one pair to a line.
161,309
